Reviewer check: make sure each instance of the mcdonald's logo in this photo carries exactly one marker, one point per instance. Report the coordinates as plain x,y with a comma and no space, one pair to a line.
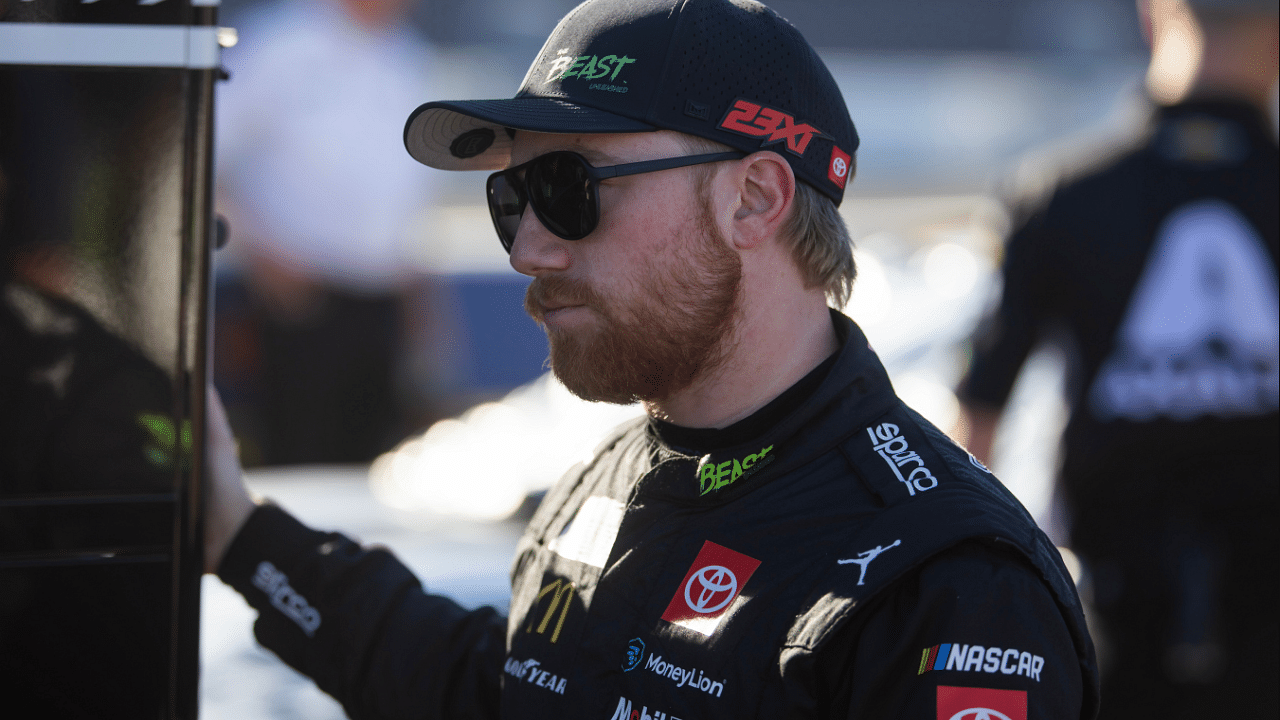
561,593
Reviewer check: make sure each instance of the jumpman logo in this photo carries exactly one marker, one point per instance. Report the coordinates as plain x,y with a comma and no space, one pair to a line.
864,558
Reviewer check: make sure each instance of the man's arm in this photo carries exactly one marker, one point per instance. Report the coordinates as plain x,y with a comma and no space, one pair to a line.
353,619
1006,336
227,502
977,430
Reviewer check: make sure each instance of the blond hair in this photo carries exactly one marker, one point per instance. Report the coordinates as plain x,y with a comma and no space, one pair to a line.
818,238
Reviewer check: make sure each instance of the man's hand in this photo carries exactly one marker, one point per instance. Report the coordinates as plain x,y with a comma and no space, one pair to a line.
227,503
976,430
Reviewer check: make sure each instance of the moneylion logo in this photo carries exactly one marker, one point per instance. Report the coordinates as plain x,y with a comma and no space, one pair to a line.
684,677
635,653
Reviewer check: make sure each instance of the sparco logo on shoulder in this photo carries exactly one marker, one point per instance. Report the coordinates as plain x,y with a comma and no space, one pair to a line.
892,446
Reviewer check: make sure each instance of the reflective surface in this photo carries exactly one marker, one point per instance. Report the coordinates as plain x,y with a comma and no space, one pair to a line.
102,283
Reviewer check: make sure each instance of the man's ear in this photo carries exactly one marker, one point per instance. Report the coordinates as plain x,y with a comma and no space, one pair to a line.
766,188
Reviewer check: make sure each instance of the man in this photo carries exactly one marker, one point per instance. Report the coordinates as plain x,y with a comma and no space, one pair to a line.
1161,269
780,536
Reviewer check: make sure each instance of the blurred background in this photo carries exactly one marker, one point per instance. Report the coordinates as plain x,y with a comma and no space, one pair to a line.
370,342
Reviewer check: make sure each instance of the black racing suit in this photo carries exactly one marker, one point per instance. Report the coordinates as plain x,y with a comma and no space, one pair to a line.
839,558
1158,270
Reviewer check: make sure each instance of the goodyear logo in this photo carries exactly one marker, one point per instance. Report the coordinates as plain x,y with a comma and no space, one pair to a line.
530,671
713,476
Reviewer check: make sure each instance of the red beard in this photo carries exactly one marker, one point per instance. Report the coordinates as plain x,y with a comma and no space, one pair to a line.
657,342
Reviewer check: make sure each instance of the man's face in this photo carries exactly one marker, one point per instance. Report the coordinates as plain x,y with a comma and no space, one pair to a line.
643,305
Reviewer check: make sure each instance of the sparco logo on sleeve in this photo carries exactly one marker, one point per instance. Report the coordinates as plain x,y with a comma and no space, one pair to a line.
285,599
714,580
976,658
968,703
892,446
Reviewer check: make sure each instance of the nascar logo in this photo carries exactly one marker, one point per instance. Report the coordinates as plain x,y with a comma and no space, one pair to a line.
976,658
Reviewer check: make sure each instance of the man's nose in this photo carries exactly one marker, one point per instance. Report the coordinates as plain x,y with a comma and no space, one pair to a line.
536,249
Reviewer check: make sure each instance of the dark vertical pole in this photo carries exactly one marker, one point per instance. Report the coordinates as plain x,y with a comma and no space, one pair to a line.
123,90
194,353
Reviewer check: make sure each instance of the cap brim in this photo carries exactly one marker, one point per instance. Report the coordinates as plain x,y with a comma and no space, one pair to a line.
433,128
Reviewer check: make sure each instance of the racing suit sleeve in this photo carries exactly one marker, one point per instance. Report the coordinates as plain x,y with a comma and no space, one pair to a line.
974,627
358,622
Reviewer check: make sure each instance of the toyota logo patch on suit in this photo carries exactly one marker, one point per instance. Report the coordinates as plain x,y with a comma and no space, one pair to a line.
707,592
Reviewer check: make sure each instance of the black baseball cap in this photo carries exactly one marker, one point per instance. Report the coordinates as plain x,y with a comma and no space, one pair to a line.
732,71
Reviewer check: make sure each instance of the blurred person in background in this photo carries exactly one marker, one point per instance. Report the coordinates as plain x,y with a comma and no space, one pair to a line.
780,536
1157,269
317,292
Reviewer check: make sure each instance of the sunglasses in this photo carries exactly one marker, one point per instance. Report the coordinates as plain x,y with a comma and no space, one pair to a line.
564,191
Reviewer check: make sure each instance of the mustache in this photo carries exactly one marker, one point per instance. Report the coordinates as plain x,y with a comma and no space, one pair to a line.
551,291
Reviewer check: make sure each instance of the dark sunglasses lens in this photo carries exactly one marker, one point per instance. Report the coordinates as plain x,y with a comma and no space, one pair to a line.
562,195
506,206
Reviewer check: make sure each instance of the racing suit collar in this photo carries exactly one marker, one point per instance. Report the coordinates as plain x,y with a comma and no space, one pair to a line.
713,467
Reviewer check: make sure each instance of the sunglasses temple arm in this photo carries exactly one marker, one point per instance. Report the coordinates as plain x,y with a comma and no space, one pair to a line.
636,168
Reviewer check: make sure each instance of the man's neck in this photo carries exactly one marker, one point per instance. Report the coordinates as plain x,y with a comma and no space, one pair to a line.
773,345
